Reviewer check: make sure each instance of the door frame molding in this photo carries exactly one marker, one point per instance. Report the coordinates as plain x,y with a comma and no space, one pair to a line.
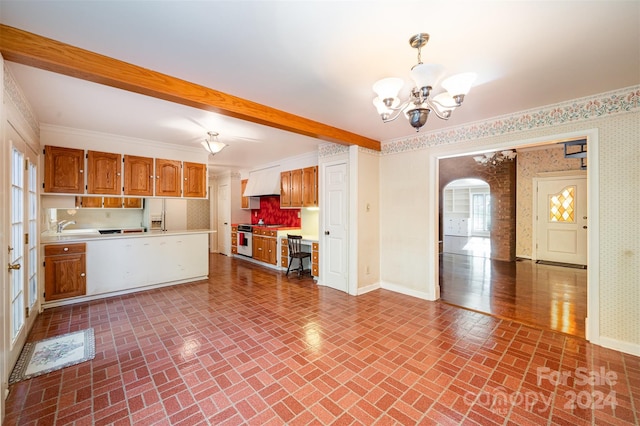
592,322
568,174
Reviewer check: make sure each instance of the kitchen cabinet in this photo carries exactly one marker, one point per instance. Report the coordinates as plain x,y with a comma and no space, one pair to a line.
247,202
310,187
88,202
195,180
64,271
135,262
285,189
168,178
63,170
234,239
112,202
284,253
299,188
138,175
265,246
133,203
315,259
103,173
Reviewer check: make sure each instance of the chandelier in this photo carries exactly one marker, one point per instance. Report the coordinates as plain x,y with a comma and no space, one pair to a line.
426,77
212,144
495,158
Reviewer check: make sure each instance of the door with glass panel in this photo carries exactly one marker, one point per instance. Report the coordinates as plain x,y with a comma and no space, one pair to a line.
561,220
22,269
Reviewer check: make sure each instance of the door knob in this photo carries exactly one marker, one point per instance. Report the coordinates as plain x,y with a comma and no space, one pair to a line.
14,266
326,232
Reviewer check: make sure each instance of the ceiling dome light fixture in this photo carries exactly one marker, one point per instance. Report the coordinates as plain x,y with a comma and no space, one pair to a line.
419,105
212,144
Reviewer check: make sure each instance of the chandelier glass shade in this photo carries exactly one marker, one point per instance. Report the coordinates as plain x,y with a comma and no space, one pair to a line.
426,78
212,144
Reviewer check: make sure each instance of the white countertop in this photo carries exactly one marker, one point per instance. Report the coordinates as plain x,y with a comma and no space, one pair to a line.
52,238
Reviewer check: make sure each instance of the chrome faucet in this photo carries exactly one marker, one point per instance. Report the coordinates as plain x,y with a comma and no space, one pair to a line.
64,223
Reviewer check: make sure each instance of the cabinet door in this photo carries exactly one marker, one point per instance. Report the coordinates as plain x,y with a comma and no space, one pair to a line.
310,187
132,203
64,276
296,188
168,178
258,247
244,203
89,202
195,180
104,173
63,170
271,255
138,175
113,202
285,189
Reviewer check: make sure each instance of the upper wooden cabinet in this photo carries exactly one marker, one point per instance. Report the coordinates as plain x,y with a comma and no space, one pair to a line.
133,203
88,202
285,189
244,201
104,175
299,187
112,202
195,180
63,170
168,178
310,187
138,175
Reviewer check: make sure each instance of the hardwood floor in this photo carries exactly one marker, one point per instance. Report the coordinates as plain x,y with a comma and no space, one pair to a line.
543,296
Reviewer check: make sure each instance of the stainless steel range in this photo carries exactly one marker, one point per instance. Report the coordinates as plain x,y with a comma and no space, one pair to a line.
245,236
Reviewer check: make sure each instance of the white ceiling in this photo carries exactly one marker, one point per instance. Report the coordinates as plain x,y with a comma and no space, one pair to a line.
319,59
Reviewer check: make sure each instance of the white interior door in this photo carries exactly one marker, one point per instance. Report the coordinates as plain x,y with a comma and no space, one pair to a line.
22,268
224,212
561,226
334,259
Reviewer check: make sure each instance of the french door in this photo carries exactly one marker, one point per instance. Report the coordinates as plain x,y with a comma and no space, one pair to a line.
22,269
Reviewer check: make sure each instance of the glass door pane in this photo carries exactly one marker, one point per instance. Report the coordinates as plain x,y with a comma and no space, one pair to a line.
16,252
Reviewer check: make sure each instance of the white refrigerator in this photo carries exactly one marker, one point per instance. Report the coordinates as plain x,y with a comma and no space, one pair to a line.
165,214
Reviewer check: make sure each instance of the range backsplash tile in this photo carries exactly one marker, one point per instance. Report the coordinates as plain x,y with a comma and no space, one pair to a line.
271,213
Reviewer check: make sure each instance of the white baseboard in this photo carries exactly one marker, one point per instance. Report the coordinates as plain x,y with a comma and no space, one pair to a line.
367,289
618,345
406,291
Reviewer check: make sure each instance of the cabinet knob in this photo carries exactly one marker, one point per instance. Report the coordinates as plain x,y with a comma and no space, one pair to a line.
117,174
66,249
81,171
83,274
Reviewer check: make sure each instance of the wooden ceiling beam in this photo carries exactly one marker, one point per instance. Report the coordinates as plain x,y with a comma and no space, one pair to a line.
40,52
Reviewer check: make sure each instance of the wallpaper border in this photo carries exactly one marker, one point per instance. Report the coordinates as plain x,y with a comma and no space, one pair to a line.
16,96
582,109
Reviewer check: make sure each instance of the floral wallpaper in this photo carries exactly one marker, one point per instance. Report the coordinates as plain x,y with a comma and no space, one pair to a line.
531,162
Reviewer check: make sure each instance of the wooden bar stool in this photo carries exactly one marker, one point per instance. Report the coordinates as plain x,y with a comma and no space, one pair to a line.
295,252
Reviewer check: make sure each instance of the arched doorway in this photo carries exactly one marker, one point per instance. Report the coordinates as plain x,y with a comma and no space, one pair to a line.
466,217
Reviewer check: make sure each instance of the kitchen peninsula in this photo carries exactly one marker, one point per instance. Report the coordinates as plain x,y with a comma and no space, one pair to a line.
86,265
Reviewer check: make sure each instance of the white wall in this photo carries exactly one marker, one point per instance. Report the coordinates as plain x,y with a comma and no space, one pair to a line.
368,213
409,176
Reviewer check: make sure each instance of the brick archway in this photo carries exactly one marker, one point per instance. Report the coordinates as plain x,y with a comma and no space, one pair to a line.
502,186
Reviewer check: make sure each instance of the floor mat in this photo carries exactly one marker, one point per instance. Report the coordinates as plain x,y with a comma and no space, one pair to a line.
45,356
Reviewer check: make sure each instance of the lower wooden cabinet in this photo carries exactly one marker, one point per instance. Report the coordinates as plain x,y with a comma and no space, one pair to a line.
265,246
315,260
64,271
